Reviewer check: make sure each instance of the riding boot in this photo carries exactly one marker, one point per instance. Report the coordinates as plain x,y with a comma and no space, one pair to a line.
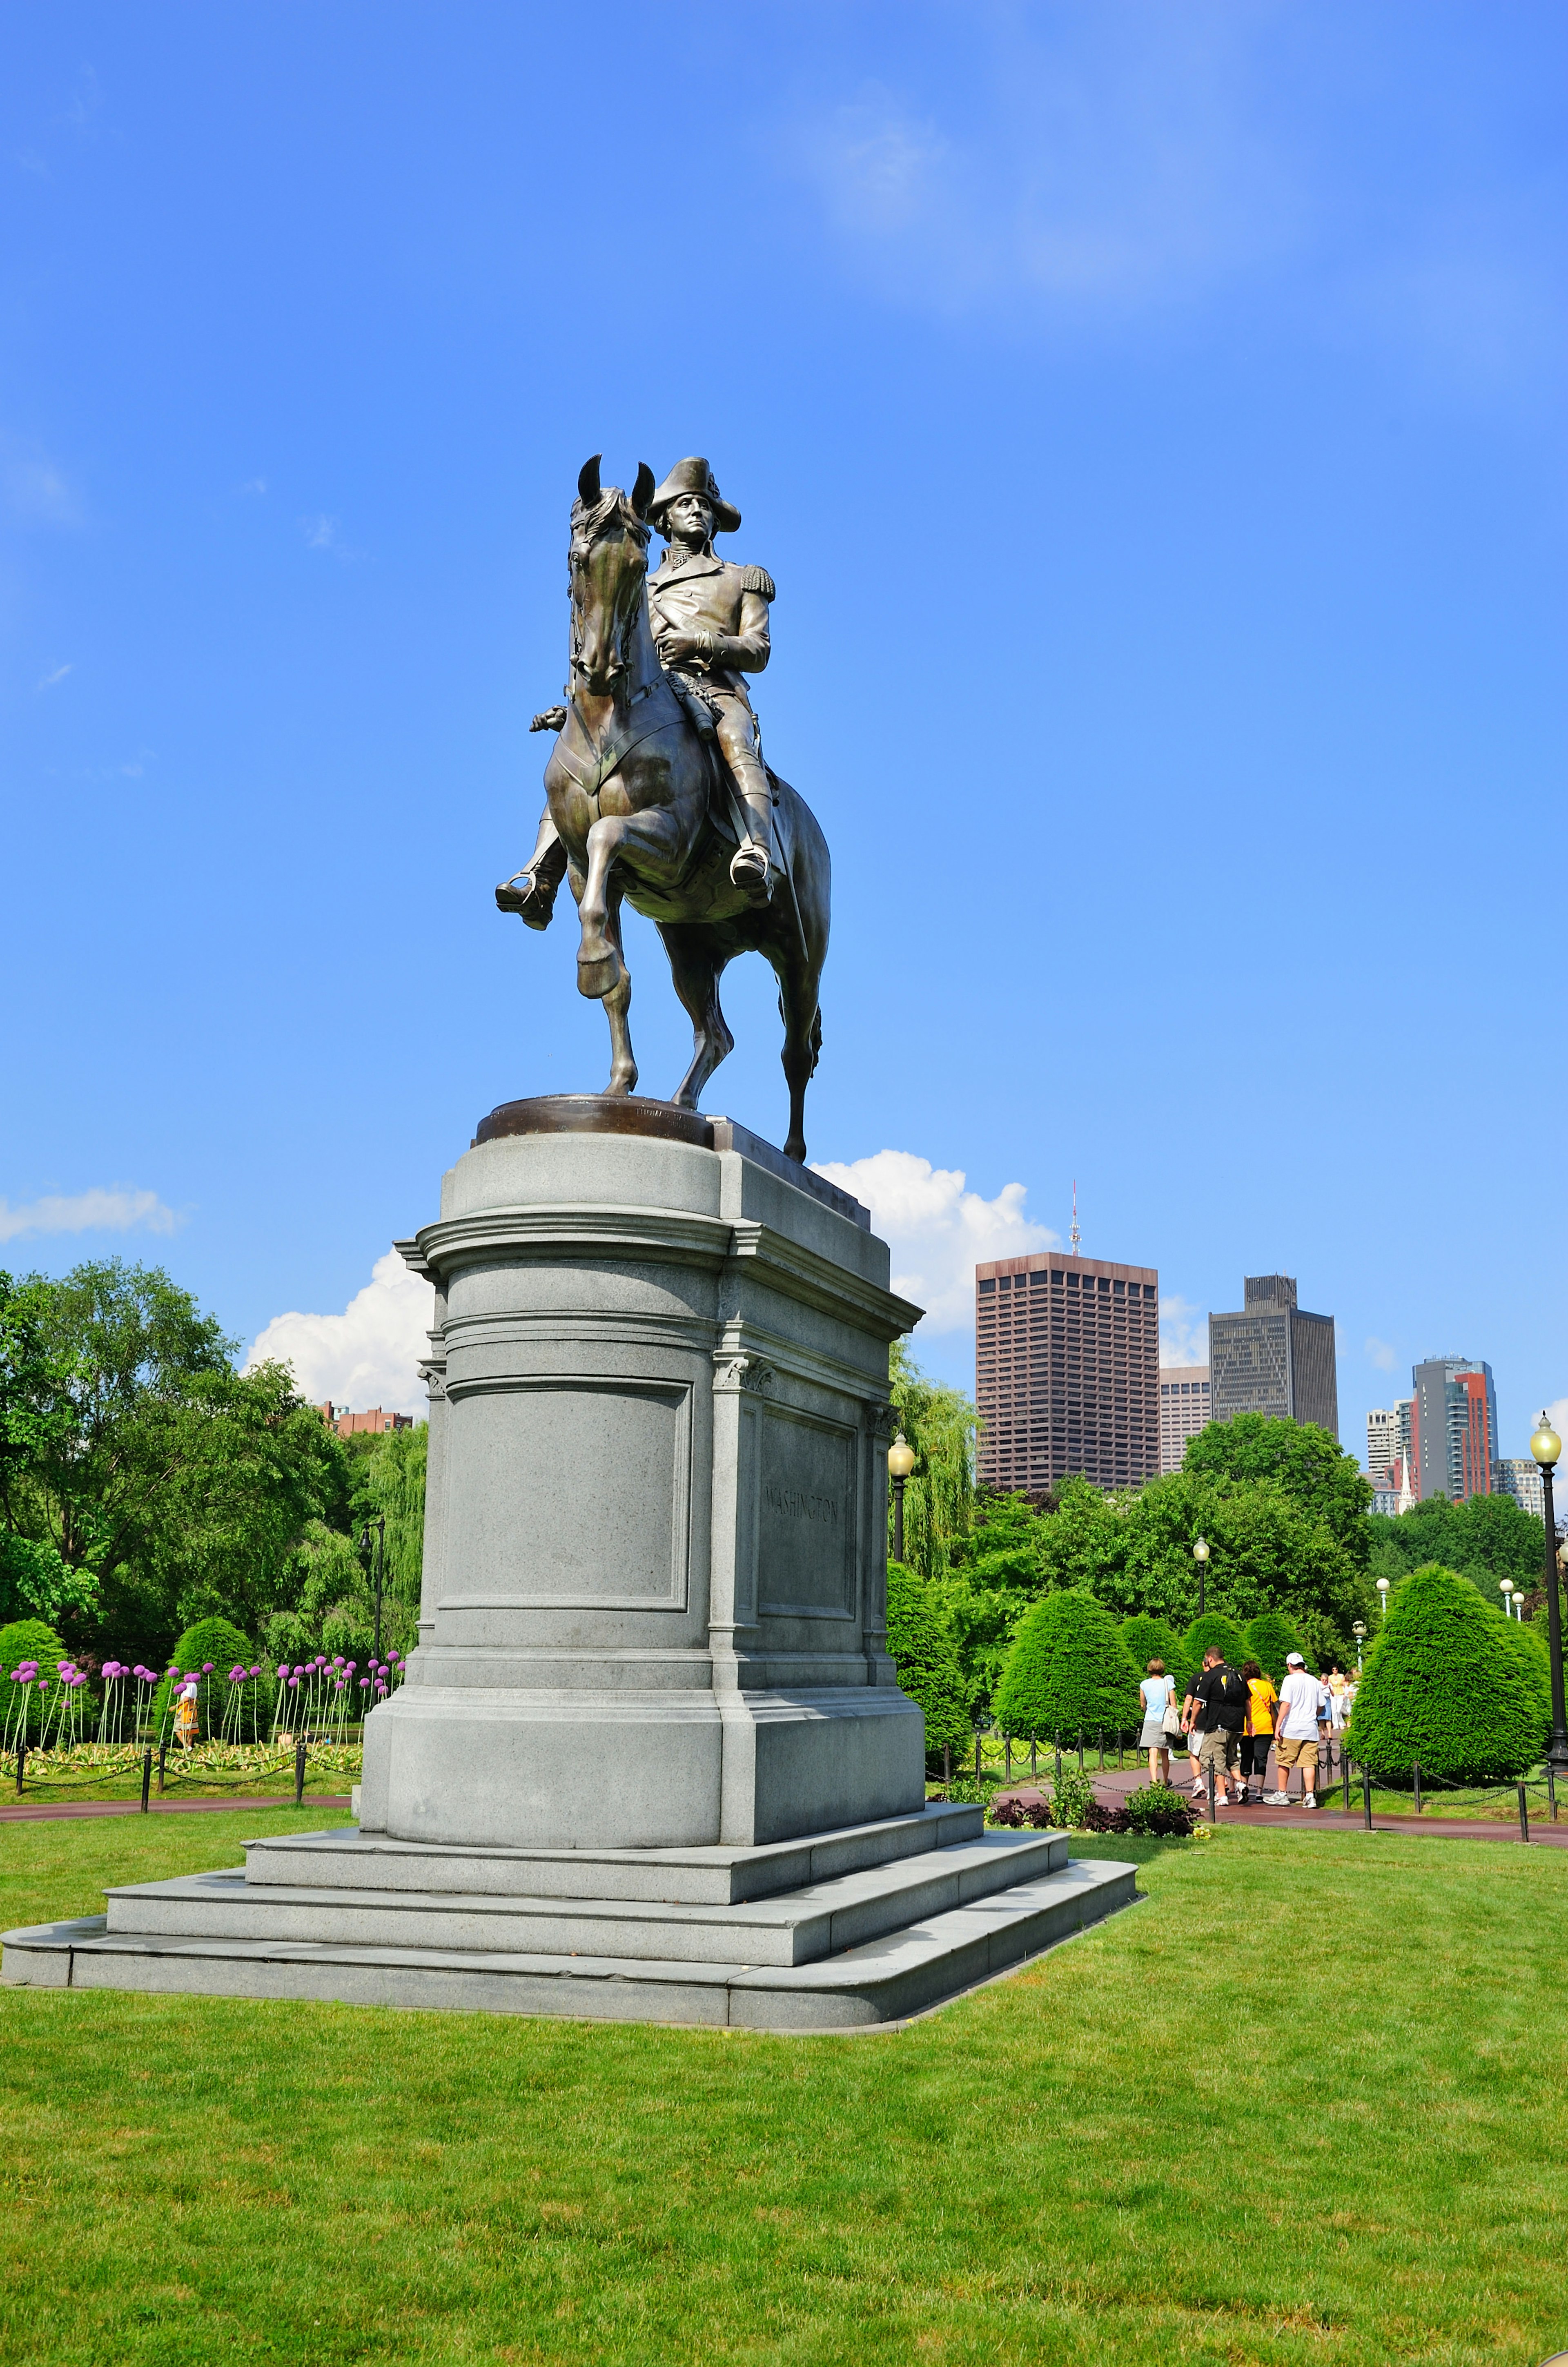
756,862
531,892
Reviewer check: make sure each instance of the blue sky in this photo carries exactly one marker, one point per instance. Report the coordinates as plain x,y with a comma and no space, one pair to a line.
1153,418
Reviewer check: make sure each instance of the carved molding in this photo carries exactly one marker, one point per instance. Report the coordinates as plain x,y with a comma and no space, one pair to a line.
734,1373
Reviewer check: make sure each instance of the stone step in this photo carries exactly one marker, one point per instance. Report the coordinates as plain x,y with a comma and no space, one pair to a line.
881,1980
350,1859
798,1928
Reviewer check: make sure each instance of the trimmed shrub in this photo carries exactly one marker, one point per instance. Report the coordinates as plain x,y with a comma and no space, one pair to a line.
219,1641
1215,1627
1445,1686
1527,1645
1067,1673
1269,1637
926,1658
1158,1808
30,1640
1145,1638
1022,1812
1071,1797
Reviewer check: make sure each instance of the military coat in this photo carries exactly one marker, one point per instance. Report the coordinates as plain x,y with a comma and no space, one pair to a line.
698,593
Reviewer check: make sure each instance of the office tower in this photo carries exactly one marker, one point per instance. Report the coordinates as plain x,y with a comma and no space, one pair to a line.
1183,1409
1388,1441
1454,1428
1067,1370
1273,1358
1519,1476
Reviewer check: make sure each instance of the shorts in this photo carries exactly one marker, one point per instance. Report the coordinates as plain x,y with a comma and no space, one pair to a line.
1255,1749
1219,1749
1298,1750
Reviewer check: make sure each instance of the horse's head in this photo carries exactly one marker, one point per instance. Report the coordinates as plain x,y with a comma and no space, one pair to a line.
609,566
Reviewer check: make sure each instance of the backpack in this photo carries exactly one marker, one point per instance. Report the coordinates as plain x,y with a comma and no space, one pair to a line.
1232,1689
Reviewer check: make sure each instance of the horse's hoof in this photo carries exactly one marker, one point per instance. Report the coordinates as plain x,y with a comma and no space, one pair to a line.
795,1148
598,977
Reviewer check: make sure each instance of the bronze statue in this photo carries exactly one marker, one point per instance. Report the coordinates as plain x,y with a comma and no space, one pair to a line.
656,786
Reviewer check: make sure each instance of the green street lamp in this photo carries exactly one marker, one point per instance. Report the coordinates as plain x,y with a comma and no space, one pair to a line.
1507,1586
1383,1592
1200,1556
1545,1446
1360,1632
902,1461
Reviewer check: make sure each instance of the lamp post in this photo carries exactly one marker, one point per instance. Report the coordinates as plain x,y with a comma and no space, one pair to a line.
1200,1556
1545,1446
1360,1632
1506,1587
1382,1596
376,1570
902,1461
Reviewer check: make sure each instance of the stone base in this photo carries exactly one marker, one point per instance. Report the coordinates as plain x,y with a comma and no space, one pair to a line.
837,1931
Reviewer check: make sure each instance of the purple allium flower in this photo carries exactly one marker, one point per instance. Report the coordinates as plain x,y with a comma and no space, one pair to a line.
293,1684
205,1667
257,1670
337,1659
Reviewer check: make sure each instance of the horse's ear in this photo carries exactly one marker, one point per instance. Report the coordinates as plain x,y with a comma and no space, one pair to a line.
642,491
587,481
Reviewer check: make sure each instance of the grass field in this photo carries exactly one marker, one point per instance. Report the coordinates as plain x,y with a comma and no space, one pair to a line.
1304,2104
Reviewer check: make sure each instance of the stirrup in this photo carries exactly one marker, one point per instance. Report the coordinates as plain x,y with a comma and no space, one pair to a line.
750,868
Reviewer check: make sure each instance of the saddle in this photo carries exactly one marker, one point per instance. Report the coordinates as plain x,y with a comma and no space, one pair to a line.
723,798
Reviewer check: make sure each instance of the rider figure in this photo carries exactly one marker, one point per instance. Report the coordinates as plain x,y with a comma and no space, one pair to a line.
710,626
709,621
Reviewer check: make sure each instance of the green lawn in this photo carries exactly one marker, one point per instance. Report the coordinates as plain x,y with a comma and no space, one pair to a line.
1305,2103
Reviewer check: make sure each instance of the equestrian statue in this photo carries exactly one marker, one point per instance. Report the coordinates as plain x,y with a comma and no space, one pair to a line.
657,791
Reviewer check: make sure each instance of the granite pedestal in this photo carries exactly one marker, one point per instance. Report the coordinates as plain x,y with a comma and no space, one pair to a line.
651,1759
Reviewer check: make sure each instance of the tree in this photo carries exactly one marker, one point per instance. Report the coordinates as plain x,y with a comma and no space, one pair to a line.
213,1641
28,1639
925,1656
996,1574
137,1455
1067,1673
388,1482
939,1496
1444,1688
331,1606
1485,1538
1269,1638
1304,1462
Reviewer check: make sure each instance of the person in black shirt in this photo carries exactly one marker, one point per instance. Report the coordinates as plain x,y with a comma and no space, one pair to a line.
1220,1695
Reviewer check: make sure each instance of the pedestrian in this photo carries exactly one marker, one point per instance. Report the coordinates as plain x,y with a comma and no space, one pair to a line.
1339,1707
1156,1694
1221,1694
1258,1733
186,1716
1295,1740
1191,1725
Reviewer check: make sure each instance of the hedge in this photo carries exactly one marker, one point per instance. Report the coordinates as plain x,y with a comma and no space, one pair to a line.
1447,1687
31,1639
1067,1673
926,1658
1145,1638
219,1641
1269,1638
1215,1627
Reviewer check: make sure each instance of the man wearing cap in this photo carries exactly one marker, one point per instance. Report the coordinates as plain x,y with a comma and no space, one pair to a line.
710,626
1295,1732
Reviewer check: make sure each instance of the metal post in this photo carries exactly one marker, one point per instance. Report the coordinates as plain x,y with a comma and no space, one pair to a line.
1034,1757
381,1576
1524,1815
146,1777
899,1487
1058,1758
1345,1770
947,1763
1102,1750
1367,1797
1212,1817
21,1760
1416,1771
1551,1788
976,1754
299,1772
162,1764
1557,1748
1007,1755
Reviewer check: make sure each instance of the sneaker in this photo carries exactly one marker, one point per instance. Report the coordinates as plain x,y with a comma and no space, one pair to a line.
1276,1799
1311,1800
1242,1796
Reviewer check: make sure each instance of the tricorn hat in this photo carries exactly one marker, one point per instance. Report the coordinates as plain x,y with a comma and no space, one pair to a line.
694,476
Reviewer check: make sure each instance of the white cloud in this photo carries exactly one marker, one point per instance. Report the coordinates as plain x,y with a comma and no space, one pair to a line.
367,1356
51,679
1557,1415
1183,1330
257,485
1378,1353
323,534
937,1231
115,1209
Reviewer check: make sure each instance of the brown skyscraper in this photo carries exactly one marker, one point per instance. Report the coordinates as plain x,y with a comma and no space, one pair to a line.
1067,1370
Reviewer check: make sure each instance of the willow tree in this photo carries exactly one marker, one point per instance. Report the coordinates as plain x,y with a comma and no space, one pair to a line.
939,1496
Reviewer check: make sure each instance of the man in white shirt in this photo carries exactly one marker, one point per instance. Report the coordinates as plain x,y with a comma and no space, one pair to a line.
1295,1732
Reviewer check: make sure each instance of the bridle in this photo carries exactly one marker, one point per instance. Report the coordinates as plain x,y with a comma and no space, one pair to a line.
587,530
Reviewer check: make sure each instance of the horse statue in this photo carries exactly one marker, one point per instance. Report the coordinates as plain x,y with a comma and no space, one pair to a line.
640,804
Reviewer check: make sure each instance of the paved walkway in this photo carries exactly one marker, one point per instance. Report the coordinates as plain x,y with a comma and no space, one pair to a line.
25,1812
1111,1786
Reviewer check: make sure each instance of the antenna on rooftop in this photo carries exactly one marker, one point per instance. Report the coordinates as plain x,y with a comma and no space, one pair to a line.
1075,1236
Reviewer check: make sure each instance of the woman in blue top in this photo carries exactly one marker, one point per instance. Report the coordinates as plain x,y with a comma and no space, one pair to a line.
1155,1693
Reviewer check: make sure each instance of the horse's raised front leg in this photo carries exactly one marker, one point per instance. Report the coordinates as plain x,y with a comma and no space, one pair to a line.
695,965
599,964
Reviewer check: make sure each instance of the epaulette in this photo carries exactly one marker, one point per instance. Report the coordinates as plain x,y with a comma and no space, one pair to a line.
757,578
